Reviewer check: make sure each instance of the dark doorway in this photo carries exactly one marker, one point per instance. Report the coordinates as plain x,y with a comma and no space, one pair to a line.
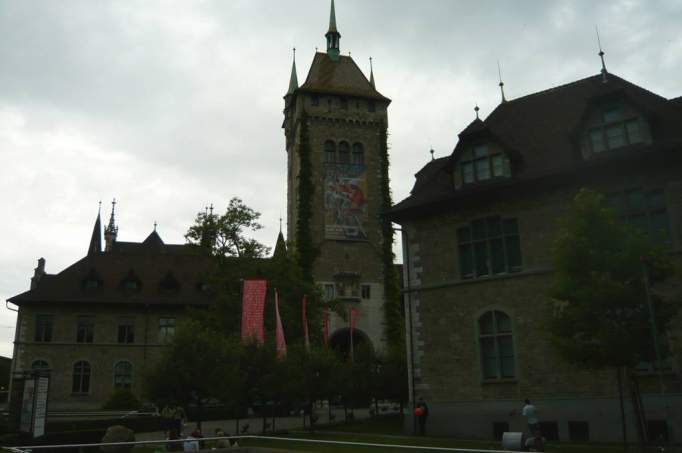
340,342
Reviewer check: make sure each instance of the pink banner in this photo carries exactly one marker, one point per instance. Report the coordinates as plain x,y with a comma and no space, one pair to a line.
280,342
304,315
353,318
253,304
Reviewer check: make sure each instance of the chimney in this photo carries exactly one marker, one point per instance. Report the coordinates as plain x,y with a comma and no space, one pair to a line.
38,273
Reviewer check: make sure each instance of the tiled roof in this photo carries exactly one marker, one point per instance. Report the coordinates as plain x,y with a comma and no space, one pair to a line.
342,77
539,131
151,263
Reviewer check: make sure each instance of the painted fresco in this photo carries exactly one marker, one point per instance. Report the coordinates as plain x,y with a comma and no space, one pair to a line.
345,206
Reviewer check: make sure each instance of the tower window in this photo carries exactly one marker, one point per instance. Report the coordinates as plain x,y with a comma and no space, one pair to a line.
329,291
315,101
344,153
366,291
329,151
358,157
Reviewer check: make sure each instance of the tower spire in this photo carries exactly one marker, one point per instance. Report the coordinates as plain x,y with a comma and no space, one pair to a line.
371,74
293,81
501,84
111,231
604,72
96,238
333,36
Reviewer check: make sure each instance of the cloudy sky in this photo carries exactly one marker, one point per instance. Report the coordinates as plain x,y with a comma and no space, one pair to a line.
171,105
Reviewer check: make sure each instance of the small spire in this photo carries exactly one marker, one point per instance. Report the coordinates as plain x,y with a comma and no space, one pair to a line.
99,210
333,36
432,152
155,225
501,84
476,109
371,74
112,222
211,209
293,80
111,231
280,223
601,54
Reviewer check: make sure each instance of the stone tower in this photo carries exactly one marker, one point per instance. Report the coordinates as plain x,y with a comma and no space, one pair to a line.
334,124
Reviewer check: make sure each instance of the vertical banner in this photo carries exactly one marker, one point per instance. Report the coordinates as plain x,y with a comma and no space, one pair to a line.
325,327
280,342
304,315
352,320
253,304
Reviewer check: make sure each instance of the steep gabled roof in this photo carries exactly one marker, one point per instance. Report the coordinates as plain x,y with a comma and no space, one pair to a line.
539,130
342,77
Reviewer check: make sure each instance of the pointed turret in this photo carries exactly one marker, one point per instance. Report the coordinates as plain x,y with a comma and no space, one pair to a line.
333,36
280,247
293,80
111,231
96,238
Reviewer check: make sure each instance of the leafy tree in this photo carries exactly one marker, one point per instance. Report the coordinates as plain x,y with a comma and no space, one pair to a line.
225,235
198,365
602,318
122,399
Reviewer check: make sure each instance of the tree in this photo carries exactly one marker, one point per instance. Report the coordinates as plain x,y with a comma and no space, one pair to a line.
602,318
197,366
225,235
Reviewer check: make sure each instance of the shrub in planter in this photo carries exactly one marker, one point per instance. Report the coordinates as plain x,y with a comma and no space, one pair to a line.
118,433
121,400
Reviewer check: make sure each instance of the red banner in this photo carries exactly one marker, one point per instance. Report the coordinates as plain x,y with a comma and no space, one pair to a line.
325,327
253,304
280,342
304,315
353,318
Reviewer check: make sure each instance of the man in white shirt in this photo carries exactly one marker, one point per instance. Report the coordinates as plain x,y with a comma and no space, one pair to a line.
531,413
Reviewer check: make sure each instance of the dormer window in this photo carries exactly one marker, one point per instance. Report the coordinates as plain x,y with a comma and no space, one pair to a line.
131,282
482,162
619,127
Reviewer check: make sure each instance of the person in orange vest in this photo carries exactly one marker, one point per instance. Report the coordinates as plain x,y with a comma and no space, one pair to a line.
421,412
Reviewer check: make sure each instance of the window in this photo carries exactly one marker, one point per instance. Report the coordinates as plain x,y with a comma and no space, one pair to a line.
44,328
489,246
166,329
579,431
126,330
329,151
497,345
40,365
645,210
366,291
480,164
81,377
315,101
358,157
617,130
329,292
344,153
123,375
85,329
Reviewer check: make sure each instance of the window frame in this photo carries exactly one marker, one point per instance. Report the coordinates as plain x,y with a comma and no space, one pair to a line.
357,154
343,150
44,328
167,326
470,164
621,121
120,375
125,330
478,252
329,149
85,329
34,367
496,335
627,211
84,375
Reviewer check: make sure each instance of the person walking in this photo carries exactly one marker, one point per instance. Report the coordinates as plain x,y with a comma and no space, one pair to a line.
421,412
531,413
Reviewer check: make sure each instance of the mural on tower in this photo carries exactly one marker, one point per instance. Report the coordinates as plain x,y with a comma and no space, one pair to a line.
345,207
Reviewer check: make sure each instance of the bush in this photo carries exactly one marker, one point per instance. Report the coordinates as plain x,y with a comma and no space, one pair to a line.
121,400
118,433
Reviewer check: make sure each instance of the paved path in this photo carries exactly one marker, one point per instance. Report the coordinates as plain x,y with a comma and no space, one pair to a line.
256,424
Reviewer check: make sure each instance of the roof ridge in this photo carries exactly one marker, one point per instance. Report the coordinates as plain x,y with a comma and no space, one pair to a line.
547,90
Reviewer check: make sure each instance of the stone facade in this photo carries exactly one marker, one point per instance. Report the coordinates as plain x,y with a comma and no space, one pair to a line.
63,350
444,309
339,105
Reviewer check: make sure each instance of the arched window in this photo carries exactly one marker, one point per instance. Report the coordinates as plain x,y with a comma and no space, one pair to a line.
123,375
81,377
358,157
344,153
40,365
497,345
329,151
